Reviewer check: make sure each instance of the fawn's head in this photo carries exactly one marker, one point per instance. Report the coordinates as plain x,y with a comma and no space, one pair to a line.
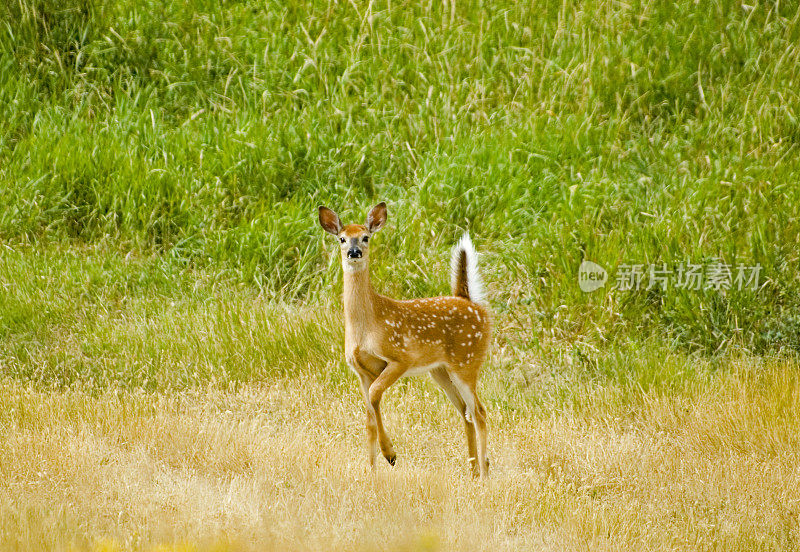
353,238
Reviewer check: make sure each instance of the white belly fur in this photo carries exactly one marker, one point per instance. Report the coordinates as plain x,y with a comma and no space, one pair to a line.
418,370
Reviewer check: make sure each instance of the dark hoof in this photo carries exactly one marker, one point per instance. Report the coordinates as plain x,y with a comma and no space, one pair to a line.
392,459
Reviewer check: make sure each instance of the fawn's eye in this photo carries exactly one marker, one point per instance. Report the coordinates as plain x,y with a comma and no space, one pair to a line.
366,239
341,240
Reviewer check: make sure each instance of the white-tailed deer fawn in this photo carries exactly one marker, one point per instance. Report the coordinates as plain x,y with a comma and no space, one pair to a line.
386,339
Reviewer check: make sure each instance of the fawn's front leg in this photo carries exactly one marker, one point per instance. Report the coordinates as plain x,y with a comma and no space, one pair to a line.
390,374
372,426
375,430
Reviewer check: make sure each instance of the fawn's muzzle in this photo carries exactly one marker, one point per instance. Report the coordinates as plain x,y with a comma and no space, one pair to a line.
353,253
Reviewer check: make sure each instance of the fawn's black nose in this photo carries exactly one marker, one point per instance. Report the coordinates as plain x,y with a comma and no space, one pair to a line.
353,253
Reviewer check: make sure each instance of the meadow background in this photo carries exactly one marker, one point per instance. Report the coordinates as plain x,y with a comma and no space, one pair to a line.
170,332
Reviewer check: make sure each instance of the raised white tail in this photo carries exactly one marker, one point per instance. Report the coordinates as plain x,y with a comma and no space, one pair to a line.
386,339
465,280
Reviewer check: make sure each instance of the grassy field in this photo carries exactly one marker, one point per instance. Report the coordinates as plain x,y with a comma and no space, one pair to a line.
280,465
171,363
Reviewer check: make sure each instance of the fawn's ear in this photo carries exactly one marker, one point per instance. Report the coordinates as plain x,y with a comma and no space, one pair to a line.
329,221
376,217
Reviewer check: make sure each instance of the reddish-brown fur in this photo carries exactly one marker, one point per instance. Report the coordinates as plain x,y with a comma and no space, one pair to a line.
386,339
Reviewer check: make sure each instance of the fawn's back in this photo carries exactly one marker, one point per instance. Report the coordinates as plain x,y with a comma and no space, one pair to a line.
424,333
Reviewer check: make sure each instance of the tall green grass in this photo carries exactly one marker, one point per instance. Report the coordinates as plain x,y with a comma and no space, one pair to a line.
203,135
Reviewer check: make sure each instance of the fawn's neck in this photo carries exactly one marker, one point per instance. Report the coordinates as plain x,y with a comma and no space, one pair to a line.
358,299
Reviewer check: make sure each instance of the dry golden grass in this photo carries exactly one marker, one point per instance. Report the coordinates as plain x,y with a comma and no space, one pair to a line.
280,466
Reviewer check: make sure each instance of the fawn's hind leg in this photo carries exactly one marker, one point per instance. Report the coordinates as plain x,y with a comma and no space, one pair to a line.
475,410
441,377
